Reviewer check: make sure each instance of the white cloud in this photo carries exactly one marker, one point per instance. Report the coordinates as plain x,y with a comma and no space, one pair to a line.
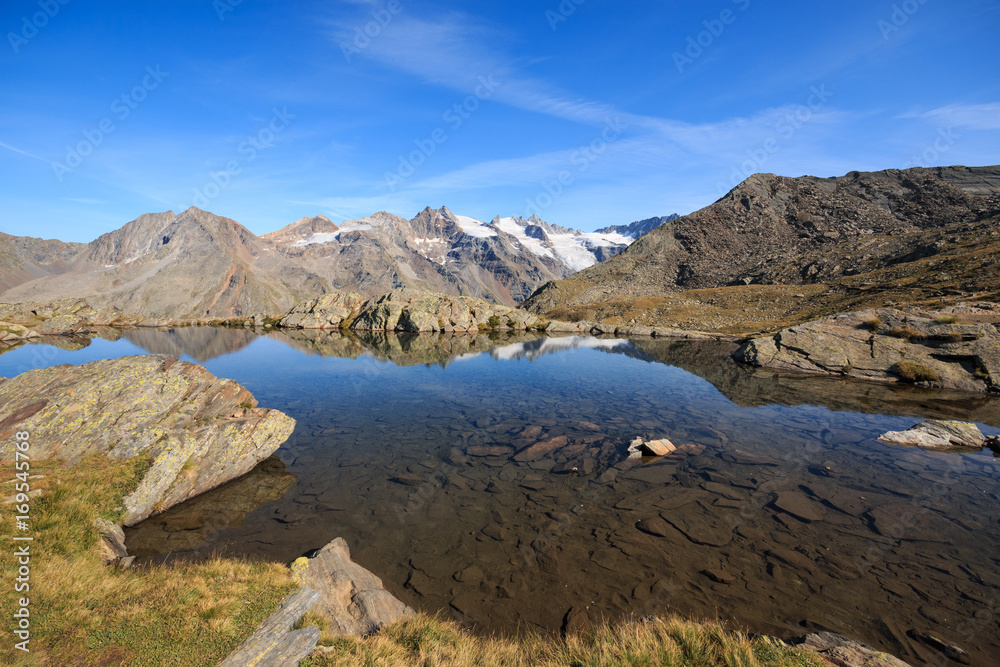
971,116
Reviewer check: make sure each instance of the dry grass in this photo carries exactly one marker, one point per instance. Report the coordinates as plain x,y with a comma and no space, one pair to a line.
84,613
912,373
430,642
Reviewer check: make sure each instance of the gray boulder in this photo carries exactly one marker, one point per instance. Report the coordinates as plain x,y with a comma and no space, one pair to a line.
937,434
353,600
200,431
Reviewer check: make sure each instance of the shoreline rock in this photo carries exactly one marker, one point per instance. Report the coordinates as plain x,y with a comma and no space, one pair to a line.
931,349
201,431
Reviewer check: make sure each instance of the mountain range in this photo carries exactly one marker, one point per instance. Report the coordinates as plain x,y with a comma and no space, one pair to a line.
197,264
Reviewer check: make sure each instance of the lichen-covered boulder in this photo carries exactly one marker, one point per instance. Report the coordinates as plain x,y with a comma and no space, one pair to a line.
200,431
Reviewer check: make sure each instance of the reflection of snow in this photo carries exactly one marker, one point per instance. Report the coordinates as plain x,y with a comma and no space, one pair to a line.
542,346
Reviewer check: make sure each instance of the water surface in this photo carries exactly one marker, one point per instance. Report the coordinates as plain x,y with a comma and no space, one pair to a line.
783,514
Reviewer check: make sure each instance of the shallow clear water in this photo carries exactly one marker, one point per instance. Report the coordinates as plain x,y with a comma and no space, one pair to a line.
784,514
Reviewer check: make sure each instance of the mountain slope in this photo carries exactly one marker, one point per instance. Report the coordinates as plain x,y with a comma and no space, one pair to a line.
771,230
23,258
194,264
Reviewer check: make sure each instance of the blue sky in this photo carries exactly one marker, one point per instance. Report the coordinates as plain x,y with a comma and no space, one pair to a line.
587,112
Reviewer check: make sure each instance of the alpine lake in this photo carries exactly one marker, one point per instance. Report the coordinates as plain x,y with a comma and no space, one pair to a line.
485,477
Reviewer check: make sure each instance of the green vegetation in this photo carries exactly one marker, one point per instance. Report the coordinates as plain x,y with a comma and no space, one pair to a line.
493,321
85,613
425,641
911,372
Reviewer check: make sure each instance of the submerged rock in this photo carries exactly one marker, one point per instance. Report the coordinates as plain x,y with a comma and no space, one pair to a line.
639,447
936,434
199,430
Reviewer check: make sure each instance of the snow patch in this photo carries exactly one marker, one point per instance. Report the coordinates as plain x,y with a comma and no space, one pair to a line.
473,227
326,237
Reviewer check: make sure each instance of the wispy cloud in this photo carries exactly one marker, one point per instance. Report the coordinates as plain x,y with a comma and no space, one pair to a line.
971,116
18,150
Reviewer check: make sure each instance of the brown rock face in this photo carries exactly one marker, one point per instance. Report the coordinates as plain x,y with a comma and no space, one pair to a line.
200,431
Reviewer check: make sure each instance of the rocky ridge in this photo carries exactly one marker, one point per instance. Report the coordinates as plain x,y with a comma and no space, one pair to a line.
919,232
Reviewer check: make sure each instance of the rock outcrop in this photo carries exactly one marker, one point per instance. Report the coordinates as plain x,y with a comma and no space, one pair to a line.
329,311
843,652
412,311
938,435
350,598
933,349
199,430
353,600
67,316
276,643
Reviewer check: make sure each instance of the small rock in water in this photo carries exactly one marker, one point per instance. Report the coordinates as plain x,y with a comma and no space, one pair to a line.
937,434
639,447
950,650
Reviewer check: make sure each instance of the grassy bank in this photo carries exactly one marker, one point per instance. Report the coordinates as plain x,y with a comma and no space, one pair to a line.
427,642
85,613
